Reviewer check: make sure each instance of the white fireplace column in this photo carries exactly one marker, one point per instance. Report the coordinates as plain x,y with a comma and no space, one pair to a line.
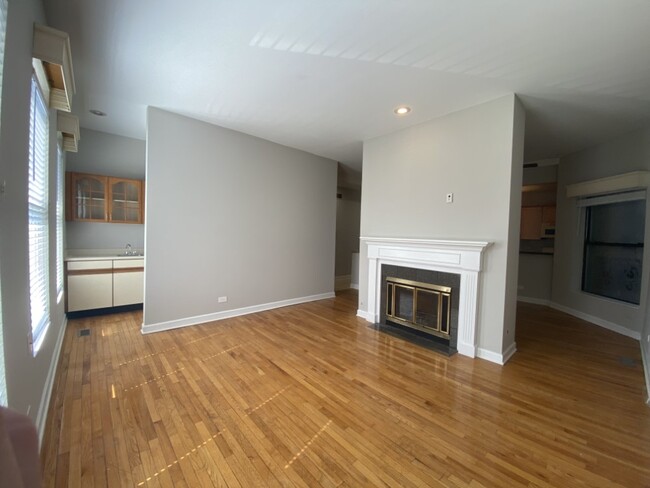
459,257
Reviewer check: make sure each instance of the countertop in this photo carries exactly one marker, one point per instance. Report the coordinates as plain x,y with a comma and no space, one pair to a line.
100,255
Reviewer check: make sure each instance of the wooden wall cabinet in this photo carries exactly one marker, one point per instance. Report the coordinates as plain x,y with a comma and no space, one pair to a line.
534,220
98,198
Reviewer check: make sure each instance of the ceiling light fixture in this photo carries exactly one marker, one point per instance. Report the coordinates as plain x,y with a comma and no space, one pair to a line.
402,110
98,113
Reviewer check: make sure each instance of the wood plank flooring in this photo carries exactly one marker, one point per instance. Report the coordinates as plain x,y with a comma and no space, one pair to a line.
310,396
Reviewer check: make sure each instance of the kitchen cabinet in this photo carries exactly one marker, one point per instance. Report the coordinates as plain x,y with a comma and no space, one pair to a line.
128,282
98,198
90,285
104,283
536,222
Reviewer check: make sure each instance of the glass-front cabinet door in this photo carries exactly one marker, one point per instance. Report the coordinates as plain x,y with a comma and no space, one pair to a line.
126,201
88,195
97,198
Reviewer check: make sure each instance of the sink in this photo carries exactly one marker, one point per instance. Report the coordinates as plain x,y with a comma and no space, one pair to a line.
131,255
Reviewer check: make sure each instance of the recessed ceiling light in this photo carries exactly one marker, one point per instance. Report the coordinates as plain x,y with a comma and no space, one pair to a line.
402,110
98,113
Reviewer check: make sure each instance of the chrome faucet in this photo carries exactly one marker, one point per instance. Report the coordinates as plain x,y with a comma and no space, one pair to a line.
128,251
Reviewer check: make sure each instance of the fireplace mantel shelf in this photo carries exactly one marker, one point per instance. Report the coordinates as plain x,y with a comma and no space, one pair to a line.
438,243
461,257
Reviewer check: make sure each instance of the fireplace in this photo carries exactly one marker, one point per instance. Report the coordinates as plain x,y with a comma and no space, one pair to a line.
420,306
460,260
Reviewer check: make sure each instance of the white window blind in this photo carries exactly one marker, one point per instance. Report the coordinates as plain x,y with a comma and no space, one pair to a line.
60,184
39,293
3,29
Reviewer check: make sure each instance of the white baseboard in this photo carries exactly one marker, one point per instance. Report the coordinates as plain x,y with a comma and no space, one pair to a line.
354,286
41,416
342,282
646,368
535,301
509,352
606,324
495,357
365,315
226,314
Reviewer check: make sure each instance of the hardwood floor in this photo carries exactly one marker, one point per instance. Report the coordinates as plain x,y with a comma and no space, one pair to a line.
310,396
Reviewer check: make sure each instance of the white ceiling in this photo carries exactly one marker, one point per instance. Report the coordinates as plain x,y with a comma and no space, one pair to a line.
324,75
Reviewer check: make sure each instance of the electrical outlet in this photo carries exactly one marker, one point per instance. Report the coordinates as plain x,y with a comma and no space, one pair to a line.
450,198
648,338
223,299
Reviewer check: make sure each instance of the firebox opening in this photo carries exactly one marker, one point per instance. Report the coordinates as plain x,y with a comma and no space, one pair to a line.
418,305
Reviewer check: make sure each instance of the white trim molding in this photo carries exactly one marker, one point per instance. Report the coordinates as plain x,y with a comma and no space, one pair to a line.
610,184
226,314
495,357
646,368
41,416
606,324
364,315
459,257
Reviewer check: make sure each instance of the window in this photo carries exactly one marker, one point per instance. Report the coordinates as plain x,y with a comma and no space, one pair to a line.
39,293
613,250
3,29
60,184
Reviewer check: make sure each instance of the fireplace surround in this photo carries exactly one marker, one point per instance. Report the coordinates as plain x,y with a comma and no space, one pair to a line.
463,258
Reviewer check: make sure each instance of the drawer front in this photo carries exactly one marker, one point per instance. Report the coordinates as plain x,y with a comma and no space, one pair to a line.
90,265
128,263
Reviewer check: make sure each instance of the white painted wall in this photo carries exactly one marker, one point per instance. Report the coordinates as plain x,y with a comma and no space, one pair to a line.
112,155
476,154
630,152
348,216
28,377
228,214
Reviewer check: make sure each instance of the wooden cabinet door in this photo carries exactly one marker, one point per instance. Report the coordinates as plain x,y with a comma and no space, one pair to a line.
125,201
531,223
87,196
548,216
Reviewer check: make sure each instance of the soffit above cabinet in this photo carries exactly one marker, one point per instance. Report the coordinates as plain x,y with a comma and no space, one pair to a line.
52,48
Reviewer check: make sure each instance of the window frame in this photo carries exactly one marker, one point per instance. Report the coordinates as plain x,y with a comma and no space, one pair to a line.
60,219
587,205
3,31
38,217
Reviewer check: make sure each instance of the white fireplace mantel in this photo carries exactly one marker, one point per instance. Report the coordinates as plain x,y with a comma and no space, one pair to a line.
459,257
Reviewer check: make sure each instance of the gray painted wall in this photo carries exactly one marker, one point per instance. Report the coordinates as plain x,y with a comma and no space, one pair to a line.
535,276
630,152
536,270
348,217
476,154
26,375
106,154
232,215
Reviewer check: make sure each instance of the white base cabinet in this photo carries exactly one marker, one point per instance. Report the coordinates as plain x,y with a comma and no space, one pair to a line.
128,282
104,283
